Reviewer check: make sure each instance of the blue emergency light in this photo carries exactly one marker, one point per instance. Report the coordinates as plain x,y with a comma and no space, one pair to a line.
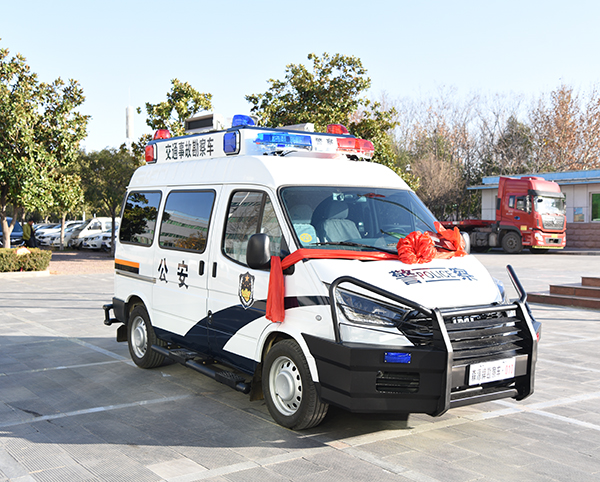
395,357
242,120
284,140
231,144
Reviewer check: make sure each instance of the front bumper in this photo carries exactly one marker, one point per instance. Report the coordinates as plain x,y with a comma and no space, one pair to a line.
548,240
431,378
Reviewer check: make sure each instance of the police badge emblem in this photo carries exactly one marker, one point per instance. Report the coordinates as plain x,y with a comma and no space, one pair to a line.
246,290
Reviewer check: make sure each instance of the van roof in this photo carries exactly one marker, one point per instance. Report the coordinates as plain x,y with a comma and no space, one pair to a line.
296,168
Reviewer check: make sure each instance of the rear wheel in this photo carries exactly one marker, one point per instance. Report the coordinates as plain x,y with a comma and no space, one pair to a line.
289,391
140,337
511,243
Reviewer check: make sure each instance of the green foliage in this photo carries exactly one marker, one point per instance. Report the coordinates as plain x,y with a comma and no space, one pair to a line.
329,94
105,175
36,260
40,133
182,102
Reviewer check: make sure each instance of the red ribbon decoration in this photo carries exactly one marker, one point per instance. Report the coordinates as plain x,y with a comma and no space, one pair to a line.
416,248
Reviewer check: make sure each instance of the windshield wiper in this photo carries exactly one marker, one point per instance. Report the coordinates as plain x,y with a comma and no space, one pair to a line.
351,243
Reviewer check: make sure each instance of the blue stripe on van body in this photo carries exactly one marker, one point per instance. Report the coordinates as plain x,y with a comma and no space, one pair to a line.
210,338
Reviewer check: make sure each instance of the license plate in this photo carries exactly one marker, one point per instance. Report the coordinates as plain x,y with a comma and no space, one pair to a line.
491,371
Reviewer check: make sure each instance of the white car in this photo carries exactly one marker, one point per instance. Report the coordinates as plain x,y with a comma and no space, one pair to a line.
46,236
98,241
92,242
90,228
54,240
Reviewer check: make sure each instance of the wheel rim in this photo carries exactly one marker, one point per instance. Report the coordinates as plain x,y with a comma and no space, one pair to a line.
139,338
285,385
512,242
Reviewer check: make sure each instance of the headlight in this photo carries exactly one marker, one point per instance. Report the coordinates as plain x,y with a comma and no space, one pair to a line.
366,311
500,286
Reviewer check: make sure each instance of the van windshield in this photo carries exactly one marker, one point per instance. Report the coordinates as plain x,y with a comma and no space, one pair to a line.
354,218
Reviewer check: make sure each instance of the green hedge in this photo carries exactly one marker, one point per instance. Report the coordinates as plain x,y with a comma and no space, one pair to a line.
36,260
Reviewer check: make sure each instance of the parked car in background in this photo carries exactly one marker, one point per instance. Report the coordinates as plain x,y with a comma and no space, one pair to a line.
45,236
98,241
38,226
16,236
45,228
89,228
106,241
54,240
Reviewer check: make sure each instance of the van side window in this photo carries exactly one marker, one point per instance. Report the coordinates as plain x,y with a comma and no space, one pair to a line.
250,212
185,220
139,218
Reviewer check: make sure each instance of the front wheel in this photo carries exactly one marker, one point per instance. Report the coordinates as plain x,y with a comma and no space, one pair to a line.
512,243
290,393
140,337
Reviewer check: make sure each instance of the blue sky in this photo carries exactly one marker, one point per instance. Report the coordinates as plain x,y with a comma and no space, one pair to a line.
126,52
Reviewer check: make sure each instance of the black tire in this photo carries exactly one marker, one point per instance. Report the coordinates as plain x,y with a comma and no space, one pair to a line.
538,250
140,336
512,243
288,388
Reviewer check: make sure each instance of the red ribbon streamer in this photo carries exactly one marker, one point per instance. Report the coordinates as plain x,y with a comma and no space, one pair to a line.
416,248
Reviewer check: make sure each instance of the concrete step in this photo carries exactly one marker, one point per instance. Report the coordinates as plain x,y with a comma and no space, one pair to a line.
545,297
576,290
590,281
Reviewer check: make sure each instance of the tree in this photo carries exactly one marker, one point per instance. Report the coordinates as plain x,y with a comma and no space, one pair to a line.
329,94
182,102
566,131
67,195
39,132
105,176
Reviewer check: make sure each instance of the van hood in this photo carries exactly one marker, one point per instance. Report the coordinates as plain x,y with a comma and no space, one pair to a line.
442,283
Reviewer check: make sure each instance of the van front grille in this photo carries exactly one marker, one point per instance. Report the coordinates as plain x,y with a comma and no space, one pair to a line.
390,382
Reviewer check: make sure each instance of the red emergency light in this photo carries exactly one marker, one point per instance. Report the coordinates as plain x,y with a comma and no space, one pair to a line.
336,129
150,154
352,145
162,134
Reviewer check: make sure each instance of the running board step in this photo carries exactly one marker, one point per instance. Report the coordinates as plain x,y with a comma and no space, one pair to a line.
186,358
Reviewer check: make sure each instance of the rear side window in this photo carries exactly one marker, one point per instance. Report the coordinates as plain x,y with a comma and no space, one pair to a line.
186,219
250,212
138,222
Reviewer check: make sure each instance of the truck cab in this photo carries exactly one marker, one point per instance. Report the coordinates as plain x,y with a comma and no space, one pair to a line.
531,212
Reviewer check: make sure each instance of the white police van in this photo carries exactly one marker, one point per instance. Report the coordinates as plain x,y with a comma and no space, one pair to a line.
276,253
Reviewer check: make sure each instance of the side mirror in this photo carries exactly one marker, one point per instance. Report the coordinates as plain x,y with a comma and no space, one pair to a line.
258,252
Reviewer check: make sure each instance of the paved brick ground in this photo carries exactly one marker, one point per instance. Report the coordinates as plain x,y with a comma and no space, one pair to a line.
74,408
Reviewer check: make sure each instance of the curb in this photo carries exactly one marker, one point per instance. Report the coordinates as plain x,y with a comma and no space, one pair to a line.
24,274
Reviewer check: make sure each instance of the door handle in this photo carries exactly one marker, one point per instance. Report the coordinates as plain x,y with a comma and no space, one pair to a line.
214,270
201,268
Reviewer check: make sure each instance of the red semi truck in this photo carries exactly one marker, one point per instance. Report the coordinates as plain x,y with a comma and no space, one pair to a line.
530,211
